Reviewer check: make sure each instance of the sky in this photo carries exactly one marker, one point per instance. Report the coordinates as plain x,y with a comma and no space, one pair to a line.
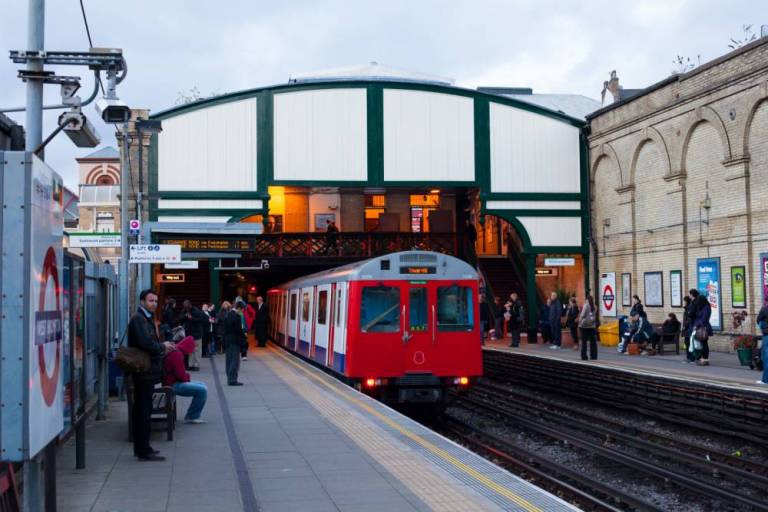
552,46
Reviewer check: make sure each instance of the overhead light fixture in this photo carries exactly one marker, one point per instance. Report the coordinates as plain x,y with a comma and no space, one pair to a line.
434,191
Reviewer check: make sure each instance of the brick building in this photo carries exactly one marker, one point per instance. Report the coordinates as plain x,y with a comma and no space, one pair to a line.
678,174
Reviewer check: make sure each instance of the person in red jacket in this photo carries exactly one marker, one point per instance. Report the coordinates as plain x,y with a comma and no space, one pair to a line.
178,378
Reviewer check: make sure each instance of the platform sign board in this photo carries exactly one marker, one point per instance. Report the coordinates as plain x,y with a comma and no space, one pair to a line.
187,265
94,239
559,262
708,284
32,349
608,294
154,253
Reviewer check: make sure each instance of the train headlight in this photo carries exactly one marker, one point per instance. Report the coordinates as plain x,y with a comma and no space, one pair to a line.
461,381
369,383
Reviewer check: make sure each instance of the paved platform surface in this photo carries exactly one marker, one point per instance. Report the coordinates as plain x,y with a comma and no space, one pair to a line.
724,369
291,439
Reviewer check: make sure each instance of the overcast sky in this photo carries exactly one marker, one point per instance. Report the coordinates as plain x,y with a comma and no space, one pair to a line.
229,45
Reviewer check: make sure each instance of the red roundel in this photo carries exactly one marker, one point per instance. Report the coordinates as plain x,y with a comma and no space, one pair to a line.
49,384
608,297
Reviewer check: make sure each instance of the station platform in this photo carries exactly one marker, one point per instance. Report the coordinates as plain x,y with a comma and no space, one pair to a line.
723,370
291,439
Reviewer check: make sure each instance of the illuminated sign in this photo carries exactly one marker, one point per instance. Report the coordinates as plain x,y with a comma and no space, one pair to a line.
212,244
170,278
417,270
545,271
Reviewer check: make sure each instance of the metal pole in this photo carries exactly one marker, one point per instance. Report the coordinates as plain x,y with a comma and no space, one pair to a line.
139,197
123,268
35,43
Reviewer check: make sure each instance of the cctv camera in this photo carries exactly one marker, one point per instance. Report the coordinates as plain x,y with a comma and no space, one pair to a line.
79,129
112,110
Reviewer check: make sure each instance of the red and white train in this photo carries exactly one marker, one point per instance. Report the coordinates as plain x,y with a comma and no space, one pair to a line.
403,327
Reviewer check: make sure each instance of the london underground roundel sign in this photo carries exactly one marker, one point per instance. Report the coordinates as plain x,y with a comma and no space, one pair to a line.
608,297
48,327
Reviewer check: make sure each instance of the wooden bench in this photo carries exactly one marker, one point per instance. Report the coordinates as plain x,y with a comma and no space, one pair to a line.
163,408
664,338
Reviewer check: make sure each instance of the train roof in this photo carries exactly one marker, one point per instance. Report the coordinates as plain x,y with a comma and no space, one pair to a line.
421,265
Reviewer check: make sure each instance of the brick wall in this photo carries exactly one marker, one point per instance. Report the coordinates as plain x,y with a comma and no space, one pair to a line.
657,158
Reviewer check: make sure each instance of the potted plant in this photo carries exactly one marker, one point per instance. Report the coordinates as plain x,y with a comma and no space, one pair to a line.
743,345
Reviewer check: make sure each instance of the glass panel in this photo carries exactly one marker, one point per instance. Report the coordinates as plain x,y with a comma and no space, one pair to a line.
294,300
418,309
380,309
322,307
454,309
305,307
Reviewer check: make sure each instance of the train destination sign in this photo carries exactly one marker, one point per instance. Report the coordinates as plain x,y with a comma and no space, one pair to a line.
212,244
417,270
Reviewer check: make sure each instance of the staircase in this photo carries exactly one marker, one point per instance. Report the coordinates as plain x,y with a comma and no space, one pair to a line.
502,277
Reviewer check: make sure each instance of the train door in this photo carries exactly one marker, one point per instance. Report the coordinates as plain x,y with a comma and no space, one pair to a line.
419,336
293,322
305,320
338,357
283,327
322,324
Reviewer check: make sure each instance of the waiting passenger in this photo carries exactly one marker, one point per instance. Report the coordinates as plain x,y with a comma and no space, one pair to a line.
669,329
702,329
498,319
572,322
485,318
176,377
587,322
688,314
637,307
233,336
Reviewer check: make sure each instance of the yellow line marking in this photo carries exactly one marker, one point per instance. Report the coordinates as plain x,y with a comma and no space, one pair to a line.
487,482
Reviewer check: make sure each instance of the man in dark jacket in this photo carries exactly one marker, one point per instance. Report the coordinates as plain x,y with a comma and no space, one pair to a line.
142,335
485,318
516,318
195,322
555,312
261,322
168,320
233,336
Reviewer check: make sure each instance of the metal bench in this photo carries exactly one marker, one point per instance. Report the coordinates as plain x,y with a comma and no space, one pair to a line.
163,408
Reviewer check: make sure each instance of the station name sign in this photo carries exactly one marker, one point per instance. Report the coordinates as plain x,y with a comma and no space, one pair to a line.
212,244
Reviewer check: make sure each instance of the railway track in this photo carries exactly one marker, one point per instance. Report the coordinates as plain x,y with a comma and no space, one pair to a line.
575,487
663,464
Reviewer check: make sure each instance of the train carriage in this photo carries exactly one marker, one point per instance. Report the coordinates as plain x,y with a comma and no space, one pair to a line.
403,327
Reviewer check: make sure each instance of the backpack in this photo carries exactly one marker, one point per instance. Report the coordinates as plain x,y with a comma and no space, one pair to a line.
588,322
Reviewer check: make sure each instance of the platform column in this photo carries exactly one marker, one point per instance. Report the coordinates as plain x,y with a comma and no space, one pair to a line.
532,295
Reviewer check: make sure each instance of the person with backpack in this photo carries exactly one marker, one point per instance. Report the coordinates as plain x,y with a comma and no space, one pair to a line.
516,318
572,321
702,329
762,322
587,322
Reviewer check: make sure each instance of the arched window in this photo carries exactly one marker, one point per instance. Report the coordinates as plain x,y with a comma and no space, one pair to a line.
105,180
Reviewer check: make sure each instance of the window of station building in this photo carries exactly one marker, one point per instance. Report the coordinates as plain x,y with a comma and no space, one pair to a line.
322,307
454,309
375,205
417,305
380,309
421,205
105,222
104,180
294,304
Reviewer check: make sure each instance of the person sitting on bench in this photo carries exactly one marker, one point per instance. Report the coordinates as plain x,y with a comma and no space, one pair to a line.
177,377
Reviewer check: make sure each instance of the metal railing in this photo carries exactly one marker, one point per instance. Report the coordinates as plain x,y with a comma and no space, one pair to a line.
351,245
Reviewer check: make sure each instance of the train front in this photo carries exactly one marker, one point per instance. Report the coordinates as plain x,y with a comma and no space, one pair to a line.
417,328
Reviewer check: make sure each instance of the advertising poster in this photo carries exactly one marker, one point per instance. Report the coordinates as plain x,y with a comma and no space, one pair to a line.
764,276
708,284
739,287
46,304
626,289
676,288
608,294
654,289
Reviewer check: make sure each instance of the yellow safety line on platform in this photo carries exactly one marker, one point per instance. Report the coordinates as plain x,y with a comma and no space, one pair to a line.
487,482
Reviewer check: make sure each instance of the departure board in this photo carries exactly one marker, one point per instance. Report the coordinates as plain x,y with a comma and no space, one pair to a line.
211,244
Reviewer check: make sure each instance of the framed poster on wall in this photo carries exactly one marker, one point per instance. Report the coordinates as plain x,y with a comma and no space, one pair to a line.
322,219
676,288
739,287
626,289
654,289
708,284
764,276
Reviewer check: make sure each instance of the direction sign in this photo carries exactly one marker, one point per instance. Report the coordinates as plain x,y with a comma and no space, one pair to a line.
154,253
189,264
94,239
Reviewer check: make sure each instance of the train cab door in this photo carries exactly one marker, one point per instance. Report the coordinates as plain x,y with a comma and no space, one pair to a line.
419,333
